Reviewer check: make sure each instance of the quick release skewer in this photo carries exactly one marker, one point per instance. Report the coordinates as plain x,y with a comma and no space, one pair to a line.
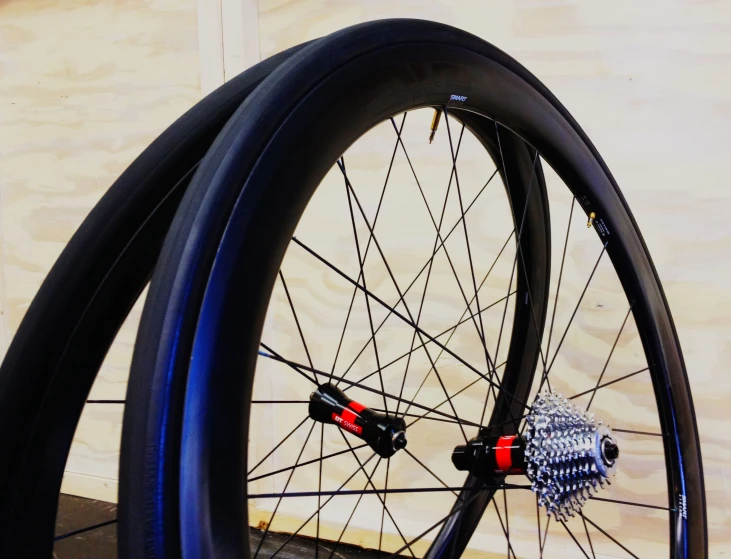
385,434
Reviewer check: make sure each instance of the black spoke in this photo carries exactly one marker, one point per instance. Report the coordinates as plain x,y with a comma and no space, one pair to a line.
558,289
507,522
643,505
574,538
576,308
449,330
406,320
383,509
403,301
280,401
361,263
431,263
82,530
369,389
607,535
296,320
352,513
588,537
615,430
600,386
297,531
609,357
319,489
368,246
421,271
505,529
538,523
545,535
379,491
519,250
380,498
442,521
291,365
306,463
424,416
435,476
276,508
280,443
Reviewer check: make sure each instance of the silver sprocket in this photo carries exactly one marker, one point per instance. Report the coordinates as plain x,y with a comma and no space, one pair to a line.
566,458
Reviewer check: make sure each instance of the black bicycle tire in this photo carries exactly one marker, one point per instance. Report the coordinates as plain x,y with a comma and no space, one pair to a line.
249,135
79,308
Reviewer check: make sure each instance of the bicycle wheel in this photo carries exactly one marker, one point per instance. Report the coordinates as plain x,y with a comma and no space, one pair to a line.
79,309
230,256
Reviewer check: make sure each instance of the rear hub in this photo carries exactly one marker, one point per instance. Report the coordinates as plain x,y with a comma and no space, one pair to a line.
565,453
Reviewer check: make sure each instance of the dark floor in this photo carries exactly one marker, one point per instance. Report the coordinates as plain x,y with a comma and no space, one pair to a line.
77,513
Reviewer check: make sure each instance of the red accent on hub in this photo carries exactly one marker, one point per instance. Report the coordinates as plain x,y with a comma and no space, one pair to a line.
503,452
356,406
347,421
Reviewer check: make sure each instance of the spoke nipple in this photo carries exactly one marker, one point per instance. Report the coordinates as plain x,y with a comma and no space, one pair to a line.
592,217
434,124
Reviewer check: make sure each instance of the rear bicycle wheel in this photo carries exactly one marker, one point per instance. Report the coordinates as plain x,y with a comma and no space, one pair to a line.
204,331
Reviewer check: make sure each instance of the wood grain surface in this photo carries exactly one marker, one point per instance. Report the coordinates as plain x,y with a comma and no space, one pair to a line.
87,85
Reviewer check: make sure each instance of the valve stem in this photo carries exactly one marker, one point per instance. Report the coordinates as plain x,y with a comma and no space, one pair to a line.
435,124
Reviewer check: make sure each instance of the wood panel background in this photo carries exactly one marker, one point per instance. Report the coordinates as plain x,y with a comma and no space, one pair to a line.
87,85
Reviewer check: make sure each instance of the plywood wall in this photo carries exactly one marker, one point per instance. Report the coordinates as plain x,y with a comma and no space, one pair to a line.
86,85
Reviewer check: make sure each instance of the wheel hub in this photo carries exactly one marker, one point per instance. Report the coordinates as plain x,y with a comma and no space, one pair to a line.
566,454
384,433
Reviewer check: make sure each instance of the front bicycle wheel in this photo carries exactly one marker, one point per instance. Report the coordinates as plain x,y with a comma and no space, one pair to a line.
322,319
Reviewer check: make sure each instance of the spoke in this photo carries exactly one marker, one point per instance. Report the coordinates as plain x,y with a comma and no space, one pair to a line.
600,386
615,430
368,245
442,521
538,522
424,416
379,492
558,288
643,505
467,310
447,331
435,476
545,535
431,263
319,489
607,535
507,522
424,267
360,497
306,463
280,401
105,401
361,262
404,319
380,498
446,253
276,357
300,424
82,530
519,251
588,537
297,369
576,308
505,530
292,535
609,357
279,502
574,538
401,296
296,320
383,510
